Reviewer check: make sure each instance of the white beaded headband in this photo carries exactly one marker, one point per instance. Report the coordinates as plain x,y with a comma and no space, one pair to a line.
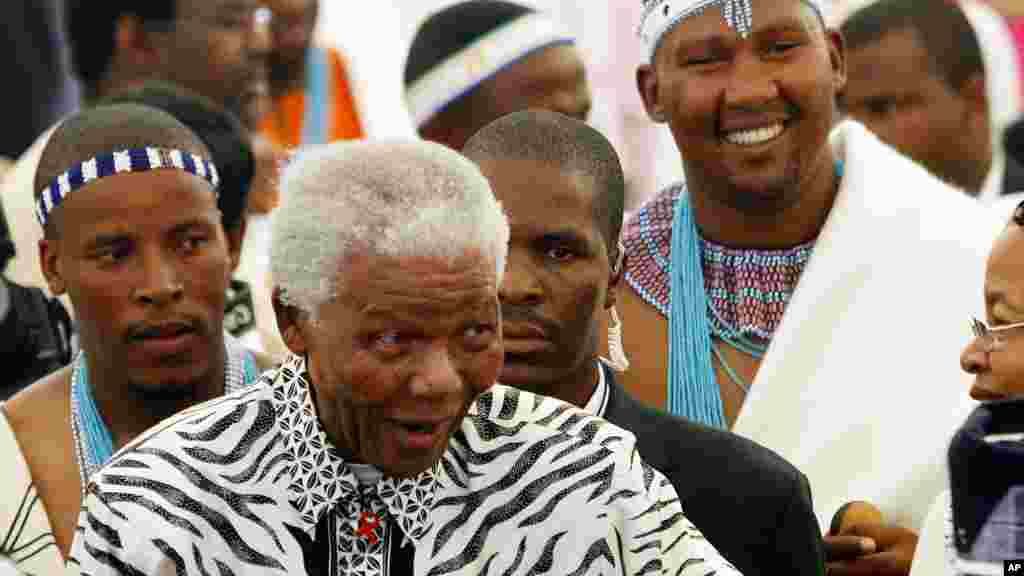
466,69
121,162
661,16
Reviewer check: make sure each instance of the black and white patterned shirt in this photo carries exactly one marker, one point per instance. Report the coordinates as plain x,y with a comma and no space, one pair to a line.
249,484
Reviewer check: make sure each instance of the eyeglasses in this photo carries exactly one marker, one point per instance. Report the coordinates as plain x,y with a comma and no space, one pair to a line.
992,339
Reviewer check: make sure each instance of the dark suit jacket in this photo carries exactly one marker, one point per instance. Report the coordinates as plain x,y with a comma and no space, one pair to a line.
1013,176
1013,142
752,505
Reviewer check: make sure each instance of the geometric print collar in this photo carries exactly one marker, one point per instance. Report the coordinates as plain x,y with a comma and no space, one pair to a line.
321,481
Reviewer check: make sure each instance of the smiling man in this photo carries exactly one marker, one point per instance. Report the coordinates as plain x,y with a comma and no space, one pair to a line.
383,445
761,293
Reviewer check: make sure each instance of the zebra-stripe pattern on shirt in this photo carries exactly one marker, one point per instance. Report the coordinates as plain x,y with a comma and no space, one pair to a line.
528,485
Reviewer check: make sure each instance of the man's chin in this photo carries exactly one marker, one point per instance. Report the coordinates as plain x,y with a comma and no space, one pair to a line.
169,384
762,192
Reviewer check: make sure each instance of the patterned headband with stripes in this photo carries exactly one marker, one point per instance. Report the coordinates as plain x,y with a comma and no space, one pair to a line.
121,162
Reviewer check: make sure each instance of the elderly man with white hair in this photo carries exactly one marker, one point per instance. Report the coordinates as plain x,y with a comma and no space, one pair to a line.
383,444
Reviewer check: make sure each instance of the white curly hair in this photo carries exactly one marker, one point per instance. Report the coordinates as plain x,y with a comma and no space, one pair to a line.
397,198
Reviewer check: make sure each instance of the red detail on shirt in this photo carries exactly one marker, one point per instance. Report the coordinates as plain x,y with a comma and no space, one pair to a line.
368,524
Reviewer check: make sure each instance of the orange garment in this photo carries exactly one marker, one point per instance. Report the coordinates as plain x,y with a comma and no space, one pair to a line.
284,125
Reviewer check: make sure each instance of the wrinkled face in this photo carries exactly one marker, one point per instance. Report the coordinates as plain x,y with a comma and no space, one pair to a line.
557,275
751,116
294,21
399,355
893,90
144,259
219,49
999,373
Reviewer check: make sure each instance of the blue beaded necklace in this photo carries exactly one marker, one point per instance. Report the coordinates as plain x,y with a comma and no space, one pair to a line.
94,444
693,391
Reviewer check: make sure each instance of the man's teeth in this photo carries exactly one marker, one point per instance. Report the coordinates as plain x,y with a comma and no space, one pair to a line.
755,136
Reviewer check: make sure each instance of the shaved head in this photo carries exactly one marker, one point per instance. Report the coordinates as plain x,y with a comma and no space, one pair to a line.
563,142
106,129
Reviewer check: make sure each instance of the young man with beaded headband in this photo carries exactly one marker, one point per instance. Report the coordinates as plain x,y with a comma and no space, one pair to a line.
762,292
127,198
383,444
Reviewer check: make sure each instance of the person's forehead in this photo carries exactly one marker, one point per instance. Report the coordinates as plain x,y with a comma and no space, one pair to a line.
1004,274
895,63
1006,260
556,62
417,287
531,189
898,49
470,267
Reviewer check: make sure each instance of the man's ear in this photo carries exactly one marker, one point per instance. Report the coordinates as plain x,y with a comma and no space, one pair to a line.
235,237
837,58
615,272
50,263
291,323
647,85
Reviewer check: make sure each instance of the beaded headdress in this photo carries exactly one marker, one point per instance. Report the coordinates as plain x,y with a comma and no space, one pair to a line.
121,162
661,16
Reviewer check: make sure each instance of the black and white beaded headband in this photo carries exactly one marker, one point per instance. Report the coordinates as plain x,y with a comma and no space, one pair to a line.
121,162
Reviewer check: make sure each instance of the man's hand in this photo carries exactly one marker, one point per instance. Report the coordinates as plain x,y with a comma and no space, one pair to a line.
870,549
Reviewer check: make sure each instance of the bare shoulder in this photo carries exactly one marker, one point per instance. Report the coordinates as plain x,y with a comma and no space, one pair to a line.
38,407
645,341
40,419
264,361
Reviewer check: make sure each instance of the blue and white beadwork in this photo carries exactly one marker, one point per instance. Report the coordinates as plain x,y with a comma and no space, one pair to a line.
121,162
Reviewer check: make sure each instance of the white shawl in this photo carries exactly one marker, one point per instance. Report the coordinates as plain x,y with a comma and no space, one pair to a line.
861,388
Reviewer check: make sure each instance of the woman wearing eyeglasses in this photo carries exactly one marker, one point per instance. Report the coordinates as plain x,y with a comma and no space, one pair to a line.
979,523
996,355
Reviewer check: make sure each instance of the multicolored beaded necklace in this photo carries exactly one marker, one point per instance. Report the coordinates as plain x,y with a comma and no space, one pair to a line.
706,290
747,293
